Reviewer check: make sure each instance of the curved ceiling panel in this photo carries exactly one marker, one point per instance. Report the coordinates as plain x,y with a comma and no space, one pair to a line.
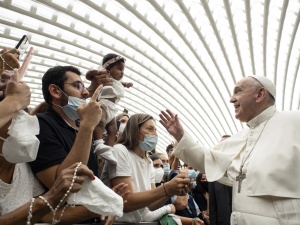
181,55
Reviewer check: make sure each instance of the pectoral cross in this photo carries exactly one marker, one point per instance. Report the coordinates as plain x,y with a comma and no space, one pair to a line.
240,178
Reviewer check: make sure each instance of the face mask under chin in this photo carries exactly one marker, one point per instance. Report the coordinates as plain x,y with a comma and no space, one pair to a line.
70,109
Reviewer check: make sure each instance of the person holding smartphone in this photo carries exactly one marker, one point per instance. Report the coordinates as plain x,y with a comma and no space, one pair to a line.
18,185
8,61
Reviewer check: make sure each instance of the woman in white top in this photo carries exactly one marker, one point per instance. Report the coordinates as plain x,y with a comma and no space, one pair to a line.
145,201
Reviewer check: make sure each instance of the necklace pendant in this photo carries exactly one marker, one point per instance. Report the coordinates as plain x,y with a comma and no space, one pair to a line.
240,179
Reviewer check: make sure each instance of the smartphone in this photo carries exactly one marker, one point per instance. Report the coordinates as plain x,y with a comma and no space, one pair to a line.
25,63
23,45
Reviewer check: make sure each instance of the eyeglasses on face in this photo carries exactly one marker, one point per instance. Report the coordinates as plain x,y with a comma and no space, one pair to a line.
80,86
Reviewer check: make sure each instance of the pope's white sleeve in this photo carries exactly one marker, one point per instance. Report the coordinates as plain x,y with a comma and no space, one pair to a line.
150,216
212,161
190,152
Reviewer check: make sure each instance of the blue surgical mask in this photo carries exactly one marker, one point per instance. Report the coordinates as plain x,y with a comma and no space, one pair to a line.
149,142
166,170
193,174
71,108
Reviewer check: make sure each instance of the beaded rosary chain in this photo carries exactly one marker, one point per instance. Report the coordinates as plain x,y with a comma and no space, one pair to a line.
4,62
54,221
30,212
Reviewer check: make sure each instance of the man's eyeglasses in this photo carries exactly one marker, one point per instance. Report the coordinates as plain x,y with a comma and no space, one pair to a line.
80,86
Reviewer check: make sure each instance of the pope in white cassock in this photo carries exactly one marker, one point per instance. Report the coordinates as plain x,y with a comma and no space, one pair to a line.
261,162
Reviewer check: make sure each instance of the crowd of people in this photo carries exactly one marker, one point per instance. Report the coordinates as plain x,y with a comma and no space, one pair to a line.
75,140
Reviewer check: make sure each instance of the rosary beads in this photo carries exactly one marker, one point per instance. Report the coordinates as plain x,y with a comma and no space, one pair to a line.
54,221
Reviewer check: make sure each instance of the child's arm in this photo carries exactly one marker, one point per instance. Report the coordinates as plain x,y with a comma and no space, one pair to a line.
91,74
97,78
127,84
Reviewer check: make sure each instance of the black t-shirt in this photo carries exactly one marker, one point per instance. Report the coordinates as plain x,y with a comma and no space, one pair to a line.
56,140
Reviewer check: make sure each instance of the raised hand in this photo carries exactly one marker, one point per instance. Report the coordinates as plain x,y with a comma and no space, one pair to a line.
97,77
17,91
9,59
172,124
91,113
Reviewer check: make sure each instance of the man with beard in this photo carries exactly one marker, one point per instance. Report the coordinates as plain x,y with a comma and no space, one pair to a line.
63,139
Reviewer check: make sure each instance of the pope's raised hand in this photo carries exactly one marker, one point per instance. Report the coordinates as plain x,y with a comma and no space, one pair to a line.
172,124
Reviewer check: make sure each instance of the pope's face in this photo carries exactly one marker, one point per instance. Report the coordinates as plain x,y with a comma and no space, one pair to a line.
244,100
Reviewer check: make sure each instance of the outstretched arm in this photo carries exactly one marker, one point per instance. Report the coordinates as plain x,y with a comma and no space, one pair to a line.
17,97
137,200
89,115
127,84
53,196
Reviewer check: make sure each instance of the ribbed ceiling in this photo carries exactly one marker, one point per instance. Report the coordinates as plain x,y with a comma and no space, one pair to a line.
182,55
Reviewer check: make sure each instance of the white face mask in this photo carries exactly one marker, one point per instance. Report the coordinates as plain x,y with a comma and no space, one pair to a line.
122,127
22,145
159,174
20,149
